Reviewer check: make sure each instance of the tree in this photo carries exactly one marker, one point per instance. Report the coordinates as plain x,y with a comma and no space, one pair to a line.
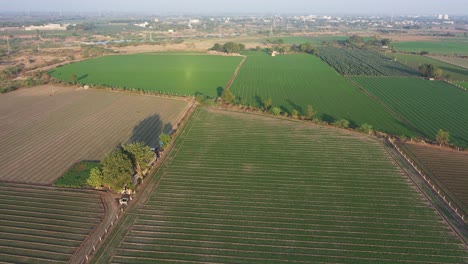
431,71
165,140
342,123
310,112
366,128
117,169
140,154
74,78
267,103
218,47
275,111
442,137
95,178
385,42
227,96
294,114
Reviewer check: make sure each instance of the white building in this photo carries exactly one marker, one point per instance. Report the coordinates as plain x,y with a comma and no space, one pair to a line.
47,27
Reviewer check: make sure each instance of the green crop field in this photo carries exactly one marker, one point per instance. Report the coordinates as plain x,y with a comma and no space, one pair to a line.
45,225
434,47
243,188
427,105
294,81
414,61
181,74
45,130
363,62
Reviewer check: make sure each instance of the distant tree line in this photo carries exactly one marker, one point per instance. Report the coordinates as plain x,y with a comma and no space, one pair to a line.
229,47
87,26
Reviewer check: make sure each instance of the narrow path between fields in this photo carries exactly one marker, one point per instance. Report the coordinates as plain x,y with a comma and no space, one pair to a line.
110,210
234,76
415,177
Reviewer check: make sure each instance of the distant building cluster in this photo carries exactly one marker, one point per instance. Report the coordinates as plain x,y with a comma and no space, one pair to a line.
47,27
443,17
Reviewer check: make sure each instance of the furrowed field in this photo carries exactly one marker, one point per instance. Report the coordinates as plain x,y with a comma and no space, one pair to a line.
295,81
446,167
45,130
426,105
461,62
242,188
181,74
414,61
39,225
363,62
434,47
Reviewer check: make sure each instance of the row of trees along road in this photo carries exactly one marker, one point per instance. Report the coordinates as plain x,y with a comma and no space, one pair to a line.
119,165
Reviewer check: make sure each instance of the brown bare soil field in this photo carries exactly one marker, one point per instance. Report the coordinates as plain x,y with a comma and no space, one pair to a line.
45,130
448,166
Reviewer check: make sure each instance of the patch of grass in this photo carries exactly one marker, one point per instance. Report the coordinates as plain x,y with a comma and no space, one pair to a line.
76,176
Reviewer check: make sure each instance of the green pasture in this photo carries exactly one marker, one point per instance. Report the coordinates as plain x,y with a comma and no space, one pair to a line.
243,188
166,73
434,47
77,175
414,61
297,80
426,105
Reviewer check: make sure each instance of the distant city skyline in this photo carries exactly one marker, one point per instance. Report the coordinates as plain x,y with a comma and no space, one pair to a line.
342,7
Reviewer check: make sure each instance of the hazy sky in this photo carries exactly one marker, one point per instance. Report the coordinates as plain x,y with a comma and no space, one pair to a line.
454,7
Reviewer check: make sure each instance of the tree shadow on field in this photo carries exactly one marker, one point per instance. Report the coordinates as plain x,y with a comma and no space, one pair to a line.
149,130
327,118
258,100
295,106
284,109
82,77
219,91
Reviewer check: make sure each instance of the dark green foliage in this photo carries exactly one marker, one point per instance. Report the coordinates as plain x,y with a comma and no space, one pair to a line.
229,47
165,140
77,175
362,62
140,154
117,169
429,70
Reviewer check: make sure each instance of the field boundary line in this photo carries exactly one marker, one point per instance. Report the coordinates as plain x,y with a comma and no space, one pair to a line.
399,117
425,195
234,76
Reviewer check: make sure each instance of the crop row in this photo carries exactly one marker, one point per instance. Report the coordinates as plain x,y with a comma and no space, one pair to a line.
448,167
87,126
37,226
362,62
426,105
209,209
